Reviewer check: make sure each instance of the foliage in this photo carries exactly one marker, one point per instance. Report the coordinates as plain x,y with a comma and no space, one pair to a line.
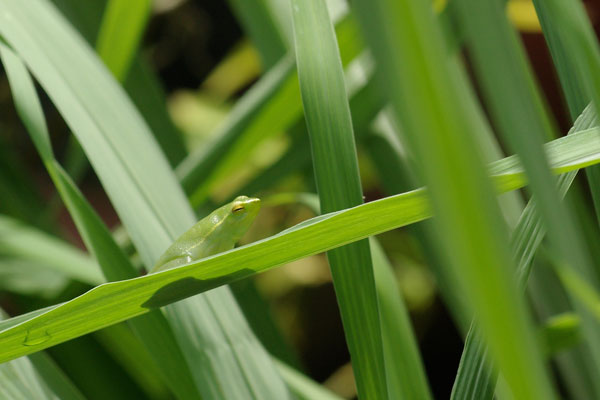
363,101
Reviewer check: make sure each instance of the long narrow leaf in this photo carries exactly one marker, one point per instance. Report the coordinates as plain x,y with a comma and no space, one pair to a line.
516,108
329,124
143,190
120,33
153,328
405,373
269,107
35,377
255,16
437,120
403,366
114,302
21,241
475,379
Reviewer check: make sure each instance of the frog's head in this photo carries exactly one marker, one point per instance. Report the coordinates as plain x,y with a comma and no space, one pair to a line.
245,208
235,218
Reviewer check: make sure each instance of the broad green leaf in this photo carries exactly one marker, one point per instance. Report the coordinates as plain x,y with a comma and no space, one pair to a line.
142,188
117,301
329,125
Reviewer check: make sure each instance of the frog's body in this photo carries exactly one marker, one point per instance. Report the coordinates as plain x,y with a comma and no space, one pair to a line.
215,233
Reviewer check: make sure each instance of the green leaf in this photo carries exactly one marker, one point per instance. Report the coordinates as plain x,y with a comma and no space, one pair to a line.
303,388
18,380
145,90
329,124
141,83
35,377
120,34
574,50
566,67
259,24
560,332
270,106
152,329
364,106
403,366
114,302
405,373
28,243
516,108
142,188
474,379
438,122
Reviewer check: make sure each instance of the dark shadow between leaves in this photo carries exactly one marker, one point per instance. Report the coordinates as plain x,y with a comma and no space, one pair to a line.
187,287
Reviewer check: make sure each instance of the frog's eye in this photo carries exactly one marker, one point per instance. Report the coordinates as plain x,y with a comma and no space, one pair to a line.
237,208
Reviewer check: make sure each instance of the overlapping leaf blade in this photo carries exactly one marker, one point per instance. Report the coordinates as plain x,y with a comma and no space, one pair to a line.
137,178
435,114
118,301
329,124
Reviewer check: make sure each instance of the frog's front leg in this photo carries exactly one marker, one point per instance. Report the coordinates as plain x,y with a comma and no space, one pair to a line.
185,258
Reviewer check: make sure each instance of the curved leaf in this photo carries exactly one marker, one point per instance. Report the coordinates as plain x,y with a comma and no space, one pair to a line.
117,301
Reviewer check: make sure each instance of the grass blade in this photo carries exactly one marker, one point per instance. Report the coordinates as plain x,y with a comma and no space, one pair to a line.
331,134
120,33
405,373
152,329
364,105
114,302
474,379
516,108
403,366
260,25
35,377
25,242
425,90
304,389
269,107
136,177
